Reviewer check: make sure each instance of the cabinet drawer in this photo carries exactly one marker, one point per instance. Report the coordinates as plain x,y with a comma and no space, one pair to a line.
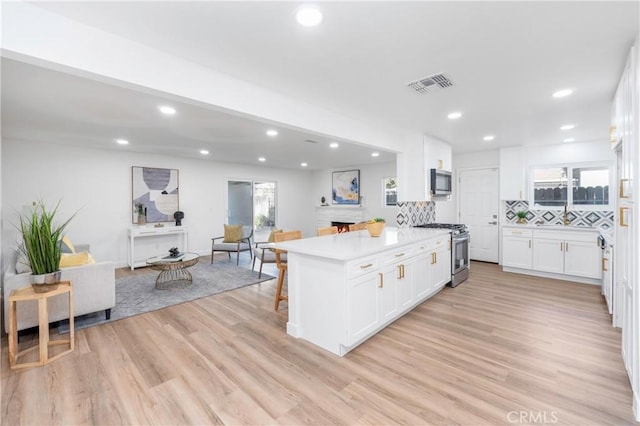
517,232
398,255
430,245
362,266
584,236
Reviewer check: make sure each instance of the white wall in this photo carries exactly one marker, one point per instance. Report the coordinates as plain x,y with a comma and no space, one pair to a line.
577,152
371,177
98,184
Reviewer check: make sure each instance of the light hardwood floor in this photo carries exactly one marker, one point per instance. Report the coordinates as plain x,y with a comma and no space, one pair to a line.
498,349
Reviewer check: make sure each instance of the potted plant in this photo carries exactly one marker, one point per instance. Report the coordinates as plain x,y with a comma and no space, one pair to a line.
375,226
41,235
522,216
141,211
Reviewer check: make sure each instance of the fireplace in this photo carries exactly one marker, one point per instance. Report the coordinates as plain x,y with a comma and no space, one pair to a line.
342,226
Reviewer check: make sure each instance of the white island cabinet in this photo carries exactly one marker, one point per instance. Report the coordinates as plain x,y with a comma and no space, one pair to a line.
344,288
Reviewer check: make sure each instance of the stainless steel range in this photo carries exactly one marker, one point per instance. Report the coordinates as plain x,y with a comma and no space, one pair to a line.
459,250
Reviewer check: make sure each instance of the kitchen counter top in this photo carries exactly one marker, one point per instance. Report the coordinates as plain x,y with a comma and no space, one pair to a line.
554,227
353,245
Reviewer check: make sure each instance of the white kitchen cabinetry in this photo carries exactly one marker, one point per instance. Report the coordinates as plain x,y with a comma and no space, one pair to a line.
512,174
563,253
432,266
607,278
517,248
338,300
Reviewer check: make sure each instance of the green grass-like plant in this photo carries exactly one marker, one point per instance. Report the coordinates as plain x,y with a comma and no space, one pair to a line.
41,235
377,219
521,214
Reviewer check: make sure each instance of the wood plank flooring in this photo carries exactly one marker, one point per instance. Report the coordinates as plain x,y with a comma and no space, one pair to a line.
498,349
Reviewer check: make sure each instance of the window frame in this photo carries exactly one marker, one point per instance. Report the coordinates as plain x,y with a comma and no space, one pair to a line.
384,192
570,205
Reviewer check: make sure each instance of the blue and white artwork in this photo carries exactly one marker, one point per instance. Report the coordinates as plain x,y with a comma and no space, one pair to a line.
346,187
156,189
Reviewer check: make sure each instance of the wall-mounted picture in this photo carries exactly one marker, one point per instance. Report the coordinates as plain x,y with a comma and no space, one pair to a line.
155,194
346,187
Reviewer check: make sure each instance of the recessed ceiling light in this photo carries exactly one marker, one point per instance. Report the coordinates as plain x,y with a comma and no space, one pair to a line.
562,93
375,154
262,159
304,164
569,140
488,138
308,16
165,109
122,142
454,115
272,132
568,127
334,145
204,152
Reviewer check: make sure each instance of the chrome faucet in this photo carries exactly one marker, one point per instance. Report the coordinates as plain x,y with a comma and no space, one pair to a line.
565,219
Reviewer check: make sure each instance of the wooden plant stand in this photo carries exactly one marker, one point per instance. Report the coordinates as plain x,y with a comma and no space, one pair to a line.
28,293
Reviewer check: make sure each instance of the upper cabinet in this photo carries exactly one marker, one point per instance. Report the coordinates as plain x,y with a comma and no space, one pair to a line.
512,174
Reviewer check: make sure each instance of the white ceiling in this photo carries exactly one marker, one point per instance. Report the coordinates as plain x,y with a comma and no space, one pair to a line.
505,59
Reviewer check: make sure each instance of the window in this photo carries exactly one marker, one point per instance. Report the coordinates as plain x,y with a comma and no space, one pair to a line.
580,186
390,189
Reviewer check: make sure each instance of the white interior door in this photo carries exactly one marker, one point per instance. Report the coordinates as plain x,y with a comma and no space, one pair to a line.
479,206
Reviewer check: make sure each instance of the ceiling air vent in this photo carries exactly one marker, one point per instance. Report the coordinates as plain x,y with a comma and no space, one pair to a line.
428,84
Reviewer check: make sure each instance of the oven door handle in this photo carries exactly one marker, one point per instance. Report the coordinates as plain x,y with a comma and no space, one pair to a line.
457,239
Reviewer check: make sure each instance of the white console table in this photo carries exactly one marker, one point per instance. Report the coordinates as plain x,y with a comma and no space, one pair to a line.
136,232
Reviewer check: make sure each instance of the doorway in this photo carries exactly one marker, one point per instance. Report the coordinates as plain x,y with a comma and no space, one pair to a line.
252,203
479,206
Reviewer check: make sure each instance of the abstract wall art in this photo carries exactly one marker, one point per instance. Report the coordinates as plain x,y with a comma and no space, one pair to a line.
346,187
158,190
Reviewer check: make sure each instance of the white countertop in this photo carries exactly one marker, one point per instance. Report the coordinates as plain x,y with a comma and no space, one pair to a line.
356,244
554,227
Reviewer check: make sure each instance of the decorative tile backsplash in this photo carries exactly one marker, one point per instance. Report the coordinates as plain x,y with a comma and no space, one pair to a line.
599,219
413,213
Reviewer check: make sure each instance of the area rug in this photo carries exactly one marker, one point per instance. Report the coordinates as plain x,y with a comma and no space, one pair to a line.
137,294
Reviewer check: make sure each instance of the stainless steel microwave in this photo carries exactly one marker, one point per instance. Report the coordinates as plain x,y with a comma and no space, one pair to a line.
440,182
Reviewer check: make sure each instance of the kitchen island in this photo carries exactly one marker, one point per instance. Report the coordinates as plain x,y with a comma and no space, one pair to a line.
344,288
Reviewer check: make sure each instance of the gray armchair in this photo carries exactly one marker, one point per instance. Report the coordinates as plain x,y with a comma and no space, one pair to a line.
243,244
264,254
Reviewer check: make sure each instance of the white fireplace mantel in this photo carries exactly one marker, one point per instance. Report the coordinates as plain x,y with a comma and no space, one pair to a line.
348,214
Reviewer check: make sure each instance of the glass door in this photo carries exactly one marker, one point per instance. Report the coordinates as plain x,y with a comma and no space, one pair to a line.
240,203
252,203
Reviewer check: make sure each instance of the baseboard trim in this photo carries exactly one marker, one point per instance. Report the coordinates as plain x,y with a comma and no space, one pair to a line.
563,277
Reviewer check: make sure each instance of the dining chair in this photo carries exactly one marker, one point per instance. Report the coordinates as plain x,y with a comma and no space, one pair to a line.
357,226
327,230
282,263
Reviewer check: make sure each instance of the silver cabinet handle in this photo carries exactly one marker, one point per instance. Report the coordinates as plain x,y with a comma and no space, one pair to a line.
493,223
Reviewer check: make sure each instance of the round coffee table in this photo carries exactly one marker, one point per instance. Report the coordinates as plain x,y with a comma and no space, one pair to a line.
173,270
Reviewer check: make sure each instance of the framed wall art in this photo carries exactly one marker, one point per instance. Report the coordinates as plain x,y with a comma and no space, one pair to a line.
155,194
345,187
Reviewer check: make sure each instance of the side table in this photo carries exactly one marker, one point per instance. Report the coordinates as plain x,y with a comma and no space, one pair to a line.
26,294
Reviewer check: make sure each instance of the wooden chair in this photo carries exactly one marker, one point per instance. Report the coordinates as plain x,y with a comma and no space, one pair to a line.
282,263
328,230
357,226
